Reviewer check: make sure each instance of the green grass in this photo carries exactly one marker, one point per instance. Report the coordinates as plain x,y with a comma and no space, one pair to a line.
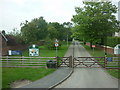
12,74
100,53
45,52
115,73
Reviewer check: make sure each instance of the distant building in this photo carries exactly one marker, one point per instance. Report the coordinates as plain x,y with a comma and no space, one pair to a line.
9,42
3,45
119,11
118,33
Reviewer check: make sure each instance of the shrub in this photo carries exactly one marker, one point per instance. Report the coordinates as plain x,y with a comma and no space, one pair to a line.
113,41
51,45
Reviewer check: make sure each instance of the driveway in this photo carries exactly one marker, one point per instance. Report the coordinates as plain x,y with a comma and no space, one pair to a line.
88,77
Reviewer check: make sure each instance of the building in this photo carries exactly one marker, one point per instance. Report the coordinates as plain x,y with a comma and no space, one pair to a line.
9,42
3,44
119,15
118,33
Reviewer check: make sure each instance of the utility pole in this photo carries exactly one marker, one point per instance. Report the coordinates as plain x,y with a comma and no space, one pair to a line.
67,40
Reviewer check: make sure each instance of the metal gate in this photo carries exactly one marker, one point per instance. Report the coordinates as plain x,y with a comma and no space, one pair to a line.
89,62
65,61
85,62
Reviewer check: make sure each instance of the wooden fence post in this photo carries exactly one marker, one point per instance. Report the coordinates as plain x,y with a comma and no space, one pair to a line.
57,60
7,60
22,59
105,62
70,62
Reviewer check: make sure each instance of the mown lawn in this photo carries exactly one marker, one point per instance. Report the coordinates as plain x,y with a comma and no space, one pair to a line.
100,53
45,52
10,75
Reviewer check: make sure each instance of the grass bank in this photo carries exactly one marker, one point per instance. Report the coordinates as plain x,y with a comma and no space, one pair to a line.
100,53
10,75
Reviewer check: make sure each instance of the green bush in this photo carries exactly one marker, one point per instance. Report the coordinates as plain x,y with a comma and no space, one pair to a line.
51,45
113,41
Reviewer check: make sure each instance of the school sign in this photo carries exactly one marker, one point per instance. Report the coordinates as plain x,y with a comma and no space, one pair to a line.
33,50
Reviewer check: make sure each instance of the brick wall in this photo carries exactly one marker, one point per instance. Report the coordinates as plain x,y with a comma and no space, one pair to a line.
5,51
18,47
109,50
4,47
88,44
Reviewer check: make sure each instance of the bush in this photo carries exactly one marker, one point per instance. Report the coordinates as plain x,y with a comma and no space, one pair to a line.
113,41
51,45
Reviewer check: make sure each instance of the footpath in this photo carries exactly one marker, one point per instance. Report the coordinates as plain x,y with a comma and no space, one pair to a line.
55,78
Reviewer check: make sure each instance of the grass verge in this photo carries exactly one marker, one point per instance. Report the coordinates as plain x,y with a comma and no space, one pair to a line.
100,53
12,74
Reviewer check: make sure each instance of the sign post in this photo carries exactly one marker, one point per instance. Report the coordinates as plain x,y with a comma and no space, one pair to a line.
67,40
93,46
56,45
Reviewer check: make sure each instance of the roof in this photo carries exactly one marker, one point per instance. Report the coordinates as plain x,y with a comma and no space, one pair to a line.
4,36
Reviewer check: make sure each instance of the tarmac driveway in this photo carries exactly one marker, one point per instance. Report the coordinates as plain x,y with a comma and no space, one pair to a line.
88,77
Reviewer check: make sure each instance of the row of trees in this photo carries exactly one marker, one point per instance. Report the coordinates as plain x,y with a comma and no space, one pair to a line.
38,29
95,21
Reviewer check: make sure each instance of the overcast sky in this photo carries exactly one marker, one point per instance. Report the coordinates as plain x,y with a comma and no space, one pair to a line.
13,12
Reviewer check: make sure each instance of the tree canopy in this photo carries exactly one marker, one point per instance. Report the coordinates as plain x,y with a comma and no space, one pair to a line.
39,29
34,30
95,21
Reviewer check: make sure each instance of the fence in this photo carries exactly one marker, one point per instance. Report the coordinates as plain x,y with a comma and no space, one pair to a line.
8,61
113,63
108,63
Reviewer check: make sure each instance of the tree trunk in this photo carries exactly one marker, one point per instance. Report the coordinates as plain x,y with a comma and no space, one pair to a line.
91,44
84,43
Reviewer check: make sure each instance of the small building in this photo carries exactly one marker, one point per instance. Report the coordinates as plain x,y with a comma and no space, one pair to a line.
3,44
9,42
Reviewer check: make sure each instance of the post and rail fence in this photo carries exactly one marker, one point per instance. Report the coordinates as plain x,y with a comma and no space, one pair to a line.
72,62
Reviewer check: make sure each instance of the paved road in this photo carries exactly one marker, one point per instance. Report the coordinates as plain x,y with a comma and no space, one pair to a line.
88,77
54,77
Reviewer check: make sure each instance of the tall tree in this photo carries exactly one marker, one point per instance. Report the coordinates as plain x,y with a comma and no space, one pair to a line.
67,31
52,32
35,30
95,21
57,30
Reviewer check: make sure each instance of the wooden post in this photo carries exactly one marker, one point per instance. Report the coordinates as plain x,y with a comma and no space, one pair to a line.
57,60
70,62
7,60
22,59
105,62
73,63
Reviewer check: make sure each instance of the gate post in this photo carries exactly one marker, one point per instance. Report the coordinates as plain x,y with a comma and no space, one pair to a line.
70,62
57,62
105,62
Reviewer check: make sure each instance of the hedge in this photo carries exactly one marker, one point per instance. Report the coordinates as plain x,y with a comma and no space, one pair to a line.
113,41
